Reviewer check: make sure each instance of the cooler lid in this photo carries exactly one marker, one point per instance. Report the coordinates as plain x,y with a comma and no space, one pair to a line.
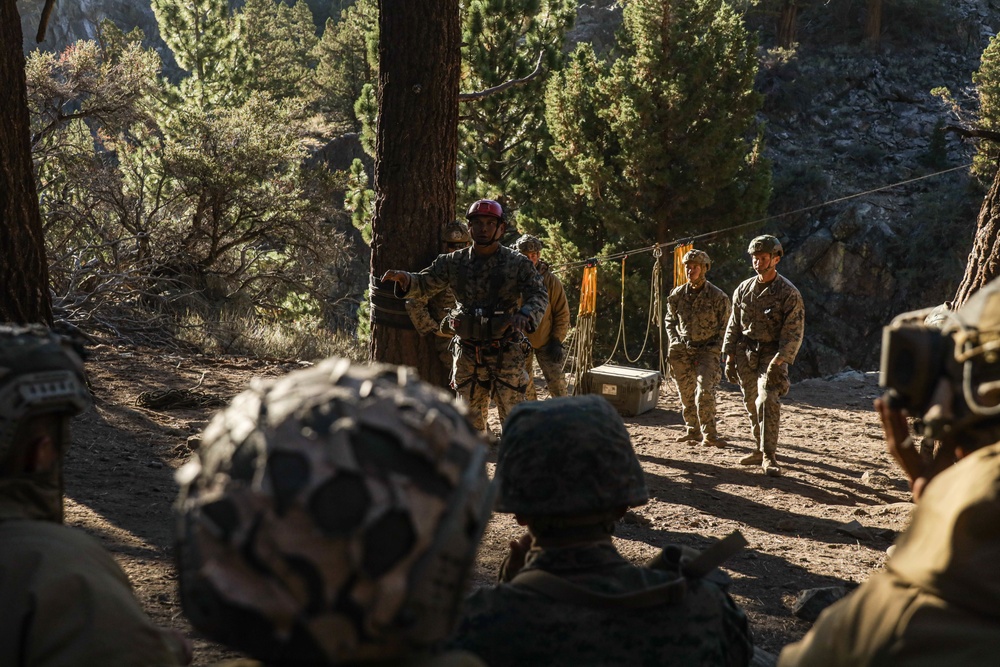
610,370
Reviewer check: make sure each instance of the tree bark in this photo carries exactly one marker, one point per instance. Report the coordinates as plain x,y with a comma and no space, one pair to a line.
873,24
416,149
984,260
24,275
788,24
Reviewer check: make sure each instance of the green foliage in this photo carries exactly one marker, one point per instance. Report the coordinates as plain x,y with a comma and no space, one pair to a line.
503,141
279,40
360,201
663,142
987,80
347,60
936,156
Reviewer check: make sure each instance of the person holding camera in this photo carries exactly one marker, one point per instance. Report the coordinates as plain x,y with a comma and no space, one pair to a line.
763,336
938,600
697,312
548,338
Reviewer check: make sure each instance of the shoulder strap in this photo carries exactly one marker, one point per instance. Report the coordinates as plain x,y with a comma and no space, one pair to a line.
560,589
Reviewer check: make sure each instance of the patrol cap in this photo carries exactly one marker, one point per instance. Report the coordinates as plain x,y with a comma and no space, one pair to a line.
456,231
697,257
528,243
566,457
766,243
40,373
332,516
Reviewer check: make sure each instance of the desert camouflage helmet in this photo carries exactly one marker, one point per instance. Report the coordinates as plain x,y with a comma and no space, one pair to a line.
567,456
766,243
332,515
528,243
457,231
40,373
698,257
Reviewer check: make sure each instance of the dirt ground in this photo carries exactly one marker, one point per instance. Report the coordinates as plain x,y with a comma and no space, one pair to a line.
119,483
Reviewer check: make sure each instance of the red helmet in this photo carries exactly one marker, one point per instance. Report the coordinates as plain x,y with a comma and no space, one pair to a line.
485,207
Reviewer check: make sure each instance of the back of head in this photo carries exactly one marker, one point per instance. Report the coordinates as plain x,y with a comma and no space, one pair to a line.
40,374
568,457
332,515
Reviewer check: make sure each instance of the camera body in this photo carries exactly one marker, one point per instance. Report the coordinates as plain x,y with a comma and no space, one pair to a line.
915,358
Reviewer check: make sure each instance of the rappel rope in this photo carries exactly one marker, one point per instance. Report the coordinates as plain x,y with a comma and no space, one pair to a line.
586,318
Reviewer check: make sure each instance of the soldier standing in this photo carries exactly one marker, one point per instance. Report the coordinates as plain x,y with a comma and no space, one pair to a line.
489,280
547,340
566,596
428,313
763,336
697,313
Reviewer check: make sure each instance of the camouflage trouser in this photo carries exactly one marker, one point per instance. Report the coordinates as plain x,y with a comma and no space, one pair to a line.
445,352
697,373
555,379
486,370
763,403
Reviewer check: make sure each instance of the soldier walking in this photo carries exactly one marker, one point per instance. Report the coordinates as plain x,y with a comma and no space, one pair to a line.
489,280
763,336
547,340
697,313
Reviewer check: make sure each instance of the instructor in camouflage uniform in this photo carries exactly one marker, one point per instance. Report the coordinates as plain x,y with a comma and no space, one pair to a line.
331,517
547,341
763,336
428,313
489,280
697,313
566,597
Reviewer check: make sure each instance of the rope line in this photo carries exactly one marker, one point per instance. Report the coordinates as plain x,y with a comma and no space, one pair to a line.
690,239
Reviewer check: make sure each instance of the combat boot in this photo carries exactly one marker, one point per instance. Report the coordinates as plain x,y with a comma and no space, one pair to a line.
690,436
752,459
770,466
714,441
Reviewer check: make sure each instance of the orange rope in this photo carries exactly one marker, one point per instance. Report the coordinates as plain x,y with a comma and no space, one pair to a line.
679,251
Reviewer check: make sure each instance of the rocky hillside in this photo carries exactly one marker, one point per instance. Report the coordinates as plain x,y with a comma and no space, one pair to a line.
842,119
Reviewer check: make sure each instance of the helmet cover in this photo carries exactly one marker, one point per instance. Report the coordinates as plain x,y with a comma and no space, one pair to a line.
766,243
456,232
585,440
698,257
40,373
528,243
332,515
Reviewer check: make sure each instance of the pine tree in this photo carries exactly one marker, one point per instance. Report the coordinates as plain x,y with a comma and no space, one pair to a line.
667,143
502,137
279,40
346,61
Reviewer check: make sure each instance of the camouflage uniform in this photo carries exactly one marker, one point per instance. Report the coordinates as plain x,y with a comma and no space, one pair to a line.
332,516
695,322
584,604
551,331
65,600
426,313
767,323
938,600
487,289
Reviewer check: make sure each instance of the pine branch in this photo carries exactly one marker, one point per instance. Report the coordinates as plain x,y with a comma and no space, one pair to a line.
976,132
465,97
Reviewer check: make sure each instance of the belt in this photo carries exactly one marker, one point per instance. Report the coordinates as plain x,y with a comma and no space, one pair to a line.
704,343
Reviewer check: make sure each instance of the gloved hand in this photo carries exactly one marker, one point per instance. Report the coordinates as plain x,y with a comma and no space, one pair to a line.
556,351
773,377
731,373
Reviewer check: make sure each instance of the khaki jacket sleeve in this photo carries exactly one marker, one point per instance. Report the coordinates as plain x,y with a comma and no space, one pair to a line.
559,307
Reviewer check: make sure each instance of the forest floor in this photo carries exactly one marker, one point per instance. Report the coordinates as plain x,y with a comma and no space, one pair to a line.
120,487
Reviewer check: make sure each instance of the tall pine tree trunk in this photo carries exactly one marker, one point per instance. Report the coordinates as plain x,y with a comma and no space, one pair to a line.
416,146
873,24
24,275
984,260
788,23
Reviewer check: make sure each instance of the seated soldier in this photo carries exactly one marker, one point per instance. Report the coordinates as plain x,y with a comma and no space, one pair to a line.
65,600
332,516
938,600
567,471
